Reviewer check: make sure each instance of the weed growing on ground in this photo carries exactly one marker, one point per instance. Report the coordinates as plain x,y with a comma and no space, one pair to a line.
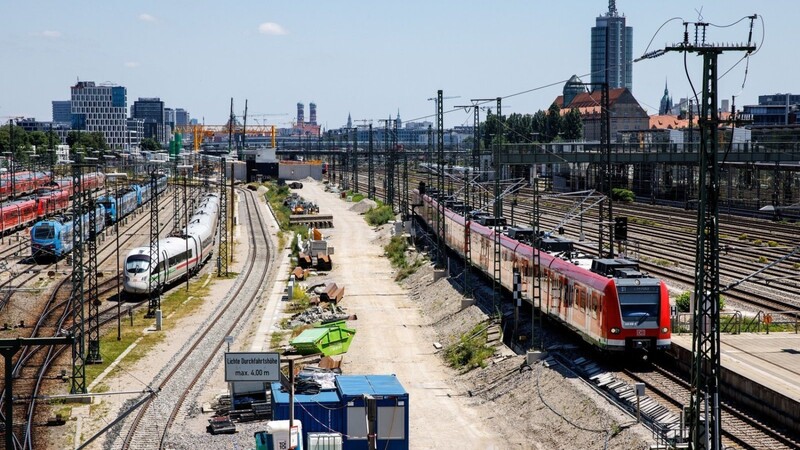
470,351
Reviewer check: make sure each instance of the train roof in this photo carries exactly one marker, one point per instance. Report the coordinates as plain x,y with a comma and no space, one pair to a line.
559,254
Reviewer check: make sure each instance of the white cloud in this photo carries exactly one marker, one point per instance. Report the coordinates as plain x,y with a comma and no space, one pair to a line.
131,64
52,34
146,17
271,28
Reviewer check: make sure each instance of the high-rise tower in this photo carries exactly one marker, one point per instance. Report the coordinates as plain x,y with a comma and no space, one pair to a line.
611,33
301,114
312,113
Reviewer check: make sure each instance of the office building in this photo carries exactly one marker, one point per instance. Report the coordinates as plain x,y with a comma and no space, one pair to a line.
776,109
181,117
151,110
101,108
610,32
62,111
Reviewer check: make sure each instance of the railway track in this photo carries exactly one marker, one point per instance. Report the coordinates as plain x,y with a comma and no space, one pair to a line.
33,363
152,424
740,430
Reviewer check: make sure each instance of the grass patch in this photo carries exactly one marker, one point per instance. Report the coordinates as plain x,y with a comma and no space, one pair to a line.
642,221
379,216
772,244
172,305
470,351
275,340
356,197
395,250
744,237
300,301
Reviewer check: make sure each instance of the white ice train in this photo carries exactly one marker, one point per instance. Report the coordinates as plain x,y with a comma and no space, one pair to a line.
177,254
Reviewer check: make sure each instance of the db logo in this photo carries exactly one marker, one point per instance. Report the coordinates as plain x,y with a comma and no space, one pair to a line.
640,332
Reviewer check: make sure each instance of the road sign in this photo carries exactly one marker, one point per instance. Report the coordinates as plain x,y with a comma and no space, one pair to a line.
260,366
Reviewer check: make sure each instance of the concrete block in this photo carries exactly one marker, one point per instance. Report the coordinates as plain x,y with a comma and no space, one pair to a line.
439,273
467,302
534,355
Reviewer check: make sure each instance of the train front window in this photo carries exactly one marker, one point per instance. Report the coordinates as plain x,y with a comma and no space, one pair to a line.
137,264
44,232
639,308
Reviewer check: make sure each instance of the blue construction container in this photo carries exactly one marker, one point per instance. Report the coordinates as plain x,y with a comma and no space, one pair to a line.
322,412
392,403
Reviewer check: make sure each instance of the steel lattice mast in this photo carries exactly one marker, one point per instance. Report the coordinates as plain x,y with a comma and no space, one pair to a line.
93,355
440,226
704,409
77,294
154,280
370,167
222,253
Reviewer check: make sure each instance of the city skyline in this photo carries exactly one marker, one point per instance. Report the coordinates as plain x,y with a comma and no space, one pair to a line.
365,59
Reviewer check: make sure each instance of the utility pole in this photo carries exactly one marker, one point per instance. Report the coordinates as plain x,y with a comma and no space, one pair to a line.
704,410
605,138
370,167
77,294
355,160
222,253
93,355
154,285
440,225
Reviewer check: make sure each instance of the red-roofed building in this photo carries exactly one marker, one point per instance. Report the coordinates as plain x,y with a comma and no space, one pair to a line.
626,113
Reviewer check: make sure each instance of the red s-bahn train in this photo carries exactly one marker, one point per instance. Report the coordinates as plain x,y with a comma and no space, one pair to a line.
52,197
609,302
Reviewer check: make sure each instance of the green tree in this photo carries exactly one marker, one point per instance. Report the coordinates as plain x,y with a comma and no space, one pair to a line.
97,140
539,125
553,123
38,138
150,144
73,138
572,127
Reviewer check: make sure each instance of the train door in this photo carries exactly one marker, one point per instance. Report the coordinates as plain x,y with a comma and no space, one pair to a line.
579,310
596,314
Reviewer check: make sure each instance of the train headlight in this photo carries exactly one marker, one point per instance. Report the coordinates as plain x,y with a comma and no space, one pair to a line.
665,330
615,330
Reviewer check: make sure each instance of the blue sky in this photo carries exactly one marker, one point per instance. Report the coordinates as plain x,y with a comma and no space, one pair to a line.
366,58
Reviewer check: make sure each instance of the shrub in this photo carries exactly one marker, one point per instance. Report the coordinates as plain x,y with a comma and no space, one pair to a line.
744,237
772,244
683,301
379,216
762,259
623,195
758,242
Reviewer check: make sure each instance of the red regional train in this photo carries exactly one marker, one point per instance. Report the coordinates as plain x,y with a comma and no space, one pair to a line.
52,197
610,303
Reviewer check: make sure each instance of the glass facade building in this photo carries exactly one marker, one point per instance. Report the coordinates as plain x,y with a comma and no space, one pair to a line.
100,108
610,32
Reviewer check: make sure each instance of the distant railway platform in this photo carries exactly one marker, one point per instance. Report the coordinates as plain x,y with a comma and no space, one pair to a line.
759,370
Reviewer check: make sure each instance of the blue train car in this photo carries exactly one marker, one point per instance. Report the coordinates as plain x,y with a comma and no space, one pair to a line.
119,205
161,183
53,238
138,190
144,191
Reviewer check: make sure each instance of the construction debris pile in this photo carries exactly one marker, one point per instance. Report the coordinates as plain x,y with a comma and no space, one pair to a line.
298,205
317,314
